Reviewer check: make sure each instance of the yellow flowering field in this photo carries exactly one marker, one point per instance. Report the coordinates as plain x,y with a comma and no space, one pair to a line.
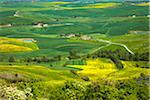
16,45
97,69
143,4
13,48
101,5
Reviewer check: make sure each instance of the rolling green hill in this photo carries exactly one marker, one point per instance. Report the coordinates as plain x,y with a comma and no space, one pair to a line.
137,41
74,50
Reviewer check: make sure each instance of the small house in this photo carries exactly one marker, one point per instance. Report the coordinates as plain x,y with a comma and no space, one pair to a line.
148,16
85,37
133,16
40,25
70,36
16,14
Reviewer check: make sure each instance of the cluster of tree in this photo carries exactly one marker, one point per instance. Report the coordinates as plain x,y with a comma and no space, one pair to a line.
122,55
38,59
108,90
7,92
116,61
43,59
11,59
142,66
103,89
75,58
8,59
71,35
72,55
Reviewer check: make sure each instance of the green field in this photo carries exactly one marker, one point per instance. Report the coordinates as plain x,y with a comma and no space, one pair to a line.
74,51
137,41
111,21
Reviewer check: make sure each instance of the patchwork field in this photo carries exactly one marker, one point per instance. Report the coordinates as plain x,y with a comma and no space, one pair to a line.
94,69
74,50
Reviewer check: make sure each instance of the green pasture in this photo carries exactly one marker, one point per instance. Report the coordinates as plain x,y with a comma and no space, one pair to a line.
34,72
137,41
57,46
111,21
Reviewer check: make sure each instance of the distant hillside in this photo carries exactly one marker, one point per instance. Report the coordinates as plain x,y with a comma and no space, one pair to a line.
80,1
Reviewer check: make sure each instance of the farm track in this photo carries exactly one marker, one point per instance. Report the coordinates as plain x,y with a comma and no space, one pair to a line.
100,48
110,43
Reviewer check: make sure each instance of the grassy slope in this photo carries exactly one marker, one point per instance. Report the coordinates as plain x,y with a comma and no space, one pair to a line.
101,5
34,72
95,69
53,46
143,4
137,42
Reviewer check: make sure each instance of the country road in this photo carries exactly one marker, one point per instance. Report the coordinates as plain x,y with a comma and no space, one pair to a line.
119,44
100,48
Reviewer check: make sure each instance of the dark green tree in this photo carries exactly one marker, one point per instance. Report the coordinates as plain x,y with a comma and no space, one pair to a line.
11,59
117,62
73,54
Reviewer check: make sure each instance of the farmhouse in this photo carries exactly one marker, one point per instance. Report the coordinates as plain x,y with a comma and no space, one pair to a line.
45,25
133,16
148,15
68,35
85,37
40,25
16,14
79,36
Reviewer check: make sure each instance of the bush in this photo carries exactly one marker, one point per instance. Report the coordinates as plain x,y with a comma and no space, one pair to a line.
74,90
85,78
103,90
13,93
12,59
117,62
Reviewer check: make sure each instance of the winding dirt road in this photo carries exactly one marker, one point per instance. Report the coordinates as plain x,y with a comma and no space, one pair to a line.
110,43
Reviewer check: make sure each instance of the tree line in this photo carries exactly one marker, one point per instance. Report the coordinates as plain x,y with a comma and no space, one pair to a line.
120,54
